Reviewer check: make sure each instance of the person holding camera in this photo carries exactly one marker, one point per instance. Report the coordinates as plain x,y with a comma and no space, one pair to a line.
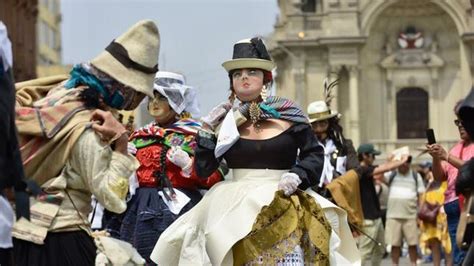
445,167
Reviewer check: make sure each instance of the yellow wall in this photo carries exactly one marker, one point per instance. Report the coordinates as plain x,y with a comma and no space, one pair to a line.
49,39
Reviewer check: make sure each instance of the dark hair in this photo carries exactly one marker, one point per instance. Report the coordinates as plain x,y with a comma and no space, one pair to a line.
335,132
409,159
90,97
464,180
360,156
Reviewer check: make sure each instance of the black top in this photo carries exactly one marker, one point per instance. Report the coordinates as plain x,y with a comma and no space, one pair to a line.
368,195
11,166
279,152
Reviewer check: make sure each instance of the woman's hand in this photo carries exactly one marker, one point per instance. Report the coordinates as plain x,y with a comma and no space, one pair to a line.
289,183
216,115
181,159
437,151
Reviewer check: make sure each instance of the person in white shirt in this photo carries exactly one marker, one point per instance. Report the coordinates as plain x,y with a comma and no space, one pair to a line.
405,187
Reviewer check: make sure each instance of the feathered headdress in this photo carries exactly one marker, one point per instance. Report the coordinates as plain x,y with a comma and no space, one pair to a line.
327,90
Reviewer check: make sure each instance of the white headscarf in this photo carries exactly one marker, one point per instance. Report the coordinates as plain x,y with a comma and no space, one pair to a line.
5,47
181,97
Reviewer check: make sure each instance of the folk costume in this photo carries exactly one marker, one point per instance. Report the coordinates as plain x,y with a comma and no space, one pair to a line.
339,158
246,219
67,158
164,191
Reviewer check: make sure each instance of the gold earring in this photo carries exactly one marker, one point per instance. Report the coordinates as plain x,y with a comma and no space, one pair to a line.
264,93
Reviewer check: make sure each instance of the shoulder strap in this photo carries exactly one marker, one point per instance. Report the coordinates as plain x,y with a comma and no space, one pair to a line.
392,176
86,222
415,176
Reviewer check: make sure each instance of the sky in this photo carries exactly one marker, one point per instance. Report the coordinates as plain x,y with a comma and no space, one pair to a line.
196,35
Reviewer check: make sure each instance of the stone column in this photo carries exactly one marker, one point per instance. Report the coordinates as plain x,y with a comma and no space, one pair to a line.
354,104
299,73
334,71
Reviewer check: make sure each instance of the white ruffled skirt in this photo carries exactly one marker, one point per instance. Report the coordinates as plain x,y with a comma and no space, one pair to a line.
206,234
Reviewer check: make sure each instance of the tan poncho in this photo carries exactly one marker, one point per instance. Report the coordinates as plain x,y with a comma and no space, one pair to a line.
50,119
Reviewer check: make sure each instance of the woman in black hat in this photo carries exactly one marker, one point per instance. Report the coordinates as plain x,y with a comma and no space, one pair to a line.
262,215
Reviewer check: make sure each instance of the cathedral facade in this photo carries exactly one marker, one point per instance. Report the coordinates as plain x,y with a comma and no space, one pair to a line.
402,65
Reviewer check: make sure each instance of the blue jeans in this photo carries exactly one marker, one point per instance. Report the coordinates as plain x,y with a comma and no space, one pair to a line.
453,213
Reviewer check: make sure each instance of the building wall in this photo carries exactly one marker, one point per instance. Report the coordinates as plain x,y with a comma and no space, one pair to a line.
20,18
438,29
49,39
357,39
34,27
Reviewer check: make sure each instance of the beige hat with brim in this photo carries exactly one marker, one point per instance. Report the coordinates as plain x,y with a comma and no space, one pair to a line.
132,58
248,63
318,111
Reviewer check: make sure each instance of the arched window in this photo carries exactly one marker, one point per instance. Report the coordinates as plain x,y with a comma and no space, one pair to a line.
308,6
412,113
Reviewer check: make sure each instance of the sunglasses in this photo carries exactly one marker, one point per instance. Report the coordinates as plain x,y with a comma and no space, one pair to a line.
320,123
458,123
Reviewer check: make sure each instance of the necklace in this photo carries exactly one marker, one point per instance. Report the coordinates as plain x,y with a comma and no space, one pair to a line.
255,113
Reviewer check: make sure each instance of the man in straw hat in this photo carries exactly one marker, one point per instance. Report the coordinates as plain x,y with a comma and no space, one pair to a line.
339,153
72,158
339,158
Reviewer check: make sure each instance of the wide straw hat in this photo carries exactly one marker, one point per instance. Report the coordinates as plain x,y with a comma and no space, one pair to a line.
249,53
132,58
319,110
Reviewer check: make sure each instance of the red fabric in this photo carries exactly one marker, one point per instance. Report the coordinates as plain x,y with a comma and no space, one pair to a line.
461,202
149,158
267,76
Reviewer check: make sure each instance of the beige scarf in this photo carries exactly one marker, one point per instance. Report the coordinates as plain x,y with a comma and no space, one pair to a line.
50,119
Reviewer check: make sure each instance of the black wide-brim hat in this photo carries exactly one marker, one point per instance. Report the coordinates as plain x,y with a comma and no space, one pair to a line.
249,53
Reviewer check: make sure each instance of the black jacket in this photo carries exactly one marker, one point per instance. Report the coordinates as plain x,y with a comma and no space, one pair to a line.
11,166
465,179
